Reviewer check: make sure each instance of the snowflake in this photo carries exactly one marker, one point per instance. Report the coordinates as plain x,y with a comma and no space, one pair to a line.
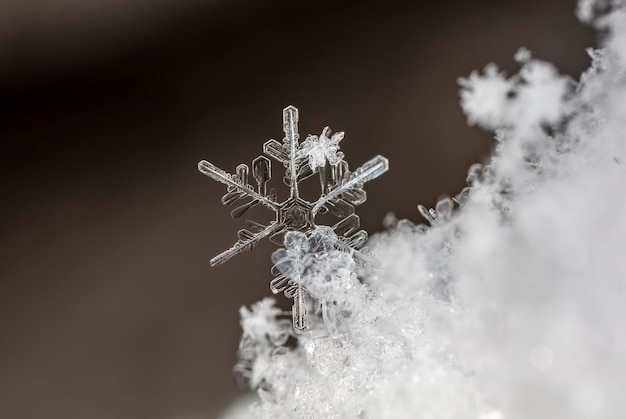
341,191
322,149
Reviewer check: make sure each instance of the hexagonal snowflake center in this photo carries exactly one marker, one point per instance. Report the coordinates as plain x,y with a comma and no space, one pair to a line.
297,215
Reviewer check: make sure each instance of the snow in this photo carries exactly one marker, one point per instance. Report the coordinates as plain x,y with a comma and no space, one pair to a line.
510,304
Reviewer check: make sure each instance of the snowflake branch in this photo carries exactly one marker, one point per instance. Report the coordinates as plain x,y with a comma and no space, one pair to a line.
247,244
370,170
290,127
227,179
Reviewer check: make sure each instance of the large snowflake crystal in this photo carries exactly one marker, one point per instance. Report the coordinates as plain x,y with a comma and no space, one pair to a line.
341,191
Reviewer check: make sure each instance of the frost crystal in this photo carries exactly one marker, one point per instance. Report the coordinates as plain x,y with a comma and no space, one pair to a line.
294,225
311,262
321,149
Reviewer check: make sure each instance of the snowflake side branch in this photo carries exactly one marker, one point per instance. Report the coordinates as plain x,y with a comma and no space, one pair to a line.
370,170
227,179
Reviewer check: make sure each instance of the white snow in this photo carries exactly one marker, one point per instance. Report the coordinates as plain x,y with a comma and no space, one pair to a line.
513,307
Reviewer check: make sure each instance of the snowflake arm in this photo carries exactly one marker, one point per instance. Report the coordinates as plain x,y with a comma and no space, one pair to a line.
370,170
235,184
247,242
290,127
299,313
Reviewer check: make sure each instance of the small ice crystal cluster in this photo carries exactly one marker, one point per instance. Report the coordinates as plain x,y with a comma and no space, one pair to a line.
510,304
313,262
315,257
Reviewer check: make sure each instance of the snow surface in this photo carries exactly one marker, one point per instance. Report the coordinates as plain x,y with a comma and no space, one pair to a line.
513,306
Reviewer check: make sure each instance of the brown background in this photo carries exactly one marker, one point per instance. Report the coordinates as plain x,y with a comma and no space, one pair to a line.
108,306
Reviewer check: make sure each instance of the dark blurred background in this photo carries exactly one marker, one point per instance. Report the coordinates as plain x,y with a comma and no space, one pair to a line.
108,306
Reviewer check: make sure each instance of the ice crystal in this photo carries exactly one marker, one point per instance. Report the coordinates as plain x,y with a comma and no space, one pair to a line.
322,149
311,262
265,332
341,191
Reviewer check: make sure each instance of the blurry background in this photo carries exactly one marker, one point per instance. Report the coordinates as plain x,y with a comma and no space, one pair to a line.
108,306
